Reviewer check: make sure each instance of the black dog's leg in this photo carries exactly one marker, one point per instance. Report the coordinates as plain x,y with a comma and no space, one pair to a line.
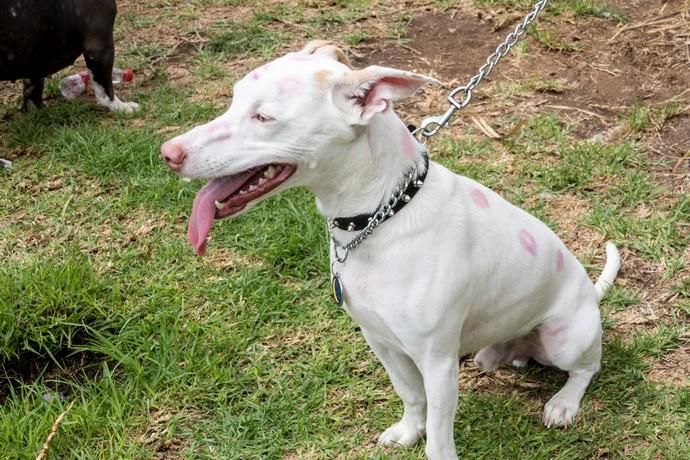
99,54
33,93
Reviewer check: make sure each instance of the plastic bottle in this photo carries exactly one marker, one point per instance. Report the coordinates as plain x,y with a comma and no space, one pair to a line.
73,85
120,75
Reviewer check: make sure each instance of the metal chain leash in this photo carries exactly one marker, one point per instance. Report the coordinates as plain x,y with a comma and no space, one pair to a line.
460,97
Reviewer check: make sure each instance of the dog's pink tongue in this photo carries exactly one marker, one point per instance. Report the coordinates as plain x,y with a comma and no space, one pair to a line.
204,208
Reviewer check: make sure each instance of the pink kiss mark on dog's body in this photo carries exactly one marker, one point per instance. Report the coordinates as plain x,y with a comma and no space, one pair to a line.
479,198
559,261
527,241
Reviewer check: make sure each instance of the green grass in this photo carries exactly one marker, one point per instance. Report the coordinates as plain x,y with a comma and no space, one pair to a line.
575,8
233,39
242,354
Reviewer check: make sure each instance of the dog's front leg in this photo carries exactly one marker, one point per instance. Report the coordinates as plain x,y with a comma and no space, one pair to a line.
441,385
409,385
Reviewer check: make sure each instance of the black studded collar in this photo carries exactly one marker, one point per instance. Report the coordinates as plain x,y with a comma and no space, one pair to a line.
360,221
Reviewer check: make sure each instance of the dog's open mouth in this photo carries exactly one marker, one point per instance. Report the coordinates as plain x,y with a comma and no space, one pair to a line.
225,196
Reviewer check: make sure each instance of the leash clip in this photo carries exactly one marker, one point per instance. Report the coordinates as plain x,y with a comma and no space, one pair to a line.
431,125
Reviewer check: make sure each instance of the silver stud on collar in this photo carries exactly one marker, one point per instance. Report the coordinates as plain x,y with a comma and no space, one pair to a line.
418,183
351,227
406,198
391,213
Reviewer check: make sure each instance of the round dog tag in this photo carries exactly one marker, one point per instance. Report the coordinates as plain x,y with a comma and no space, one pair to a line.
337,289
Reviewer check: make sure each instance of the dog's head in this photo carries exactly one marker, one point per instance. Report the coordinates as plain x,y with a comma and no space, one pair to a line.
284,116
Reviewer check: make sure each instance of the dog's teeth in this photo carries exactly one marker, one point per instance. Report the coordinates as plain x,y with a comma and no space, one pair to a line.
243,192
218,204
262,181
270,173
252,187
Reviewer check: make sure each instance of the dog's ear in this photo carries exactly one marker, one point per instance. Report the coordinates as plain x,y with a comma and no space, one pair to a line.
326,48
363,93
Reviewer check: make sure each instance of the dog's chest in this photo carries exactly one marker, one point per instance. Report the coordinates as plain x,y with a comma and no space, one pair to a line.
379,297
360,285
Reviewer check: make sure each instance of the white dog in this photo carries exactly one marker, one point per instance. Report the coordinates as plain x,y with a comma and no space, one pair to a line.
450,270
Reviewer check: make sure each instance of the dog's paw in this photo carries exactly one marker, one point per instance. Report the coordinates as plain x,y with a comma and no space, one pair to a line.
400,435
125,107
560,411
115,104
519,362
488,359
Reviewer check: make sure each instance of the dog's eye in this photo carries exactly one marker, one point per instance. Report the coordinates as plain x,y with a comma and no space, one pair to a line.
262,118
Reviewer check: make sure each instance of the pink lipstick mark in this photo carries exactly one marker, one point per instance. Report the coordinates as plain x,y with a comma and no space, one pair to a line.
218,130
302,57
258,73
289,87
559,261
408,142
479,198
527,241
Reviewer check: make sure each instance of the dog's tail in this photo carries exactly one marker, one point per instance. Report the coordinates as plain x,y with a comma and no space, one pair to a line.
613,263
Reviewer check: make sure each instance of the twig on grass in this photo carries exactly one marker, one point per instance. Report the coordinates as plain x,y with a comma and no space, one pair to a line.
53,431
484,127
586,112
639,25
684,158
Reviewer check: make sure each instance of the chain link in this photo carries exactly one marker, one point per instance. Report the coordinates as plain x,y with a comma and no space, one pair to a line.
461,96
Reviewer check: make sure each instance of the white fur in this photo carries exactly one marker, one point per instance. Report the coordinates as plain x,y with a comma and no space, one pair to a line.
445,276
114,104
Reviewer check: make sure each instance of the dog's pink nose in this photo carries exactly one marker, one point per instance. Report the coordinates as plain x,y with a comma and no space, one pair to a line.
174,155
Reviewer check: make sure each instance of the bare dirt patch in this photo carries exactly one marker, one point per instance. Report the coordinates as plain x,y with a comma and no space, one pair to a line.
613,66
158,437
673,368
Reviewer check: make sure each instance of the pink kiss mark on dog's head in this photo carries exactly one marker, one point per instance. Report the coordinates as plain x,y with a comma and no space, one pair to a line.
256,74
527,241
409,143
302,57
479,198
218,130
289,87
559,261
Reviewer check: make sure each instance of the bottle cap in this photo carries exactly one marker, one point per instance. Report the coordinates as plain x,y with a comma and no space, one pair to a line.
127,75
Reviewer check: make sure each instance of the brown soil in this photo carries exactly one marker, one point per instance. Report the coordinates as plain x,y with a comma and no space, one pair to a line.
673,368
644,61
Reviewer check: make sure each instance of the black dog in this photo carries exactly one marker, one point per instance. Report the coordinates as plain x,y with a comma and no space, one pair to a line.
40,37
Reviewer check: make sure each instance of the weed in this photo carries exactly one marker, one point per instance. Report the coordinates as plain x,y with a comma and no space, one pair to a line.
550,41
